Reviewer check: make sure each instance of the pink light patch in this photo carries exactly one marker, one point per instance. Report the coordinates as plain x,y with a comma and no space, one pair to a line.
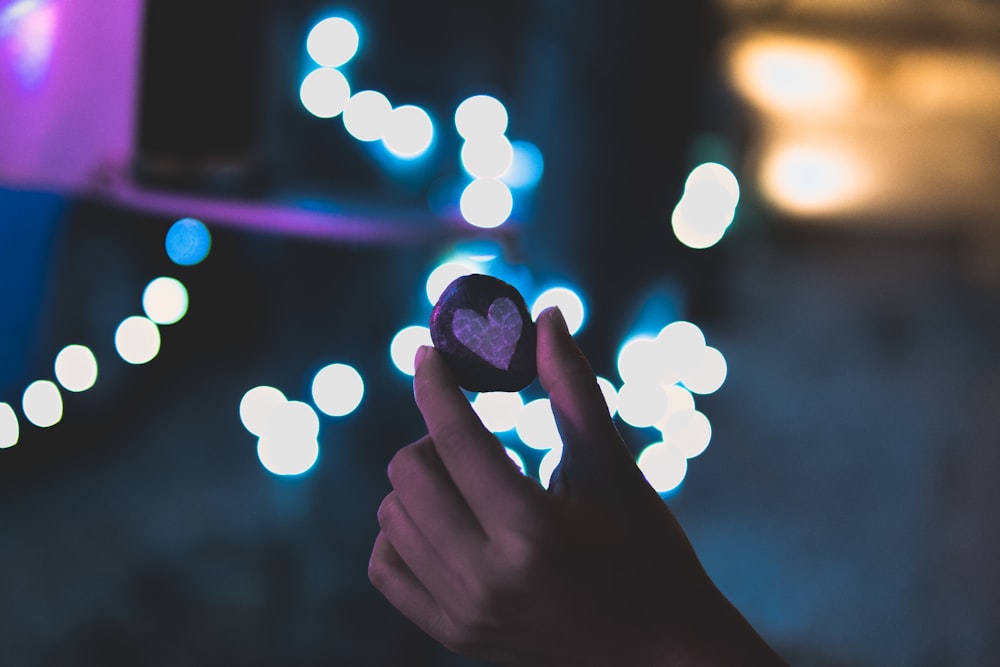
27,31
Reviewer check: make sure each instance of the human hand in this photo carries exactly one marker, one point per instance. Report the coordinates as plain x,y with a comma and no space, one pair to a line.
594,571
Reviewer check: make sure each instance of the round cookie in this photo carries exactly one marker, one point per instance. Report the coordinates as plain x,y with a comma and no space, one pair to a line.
482,328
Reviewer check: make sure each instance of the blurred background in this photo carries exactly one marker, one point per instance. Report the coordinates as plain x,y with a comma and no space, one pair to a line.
773,225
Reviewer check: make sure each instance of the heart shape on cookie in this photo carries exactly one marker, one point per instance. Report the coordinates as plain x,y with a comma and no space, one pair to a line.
492,338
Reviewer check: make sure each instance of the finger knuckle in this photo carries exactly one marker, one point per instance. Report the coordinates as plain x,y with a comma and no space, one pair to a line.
396,470
377,573
387,511
409,460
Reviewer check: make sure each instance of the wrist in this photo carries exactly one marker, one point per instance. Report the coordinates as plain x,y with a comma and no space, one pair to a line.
720,637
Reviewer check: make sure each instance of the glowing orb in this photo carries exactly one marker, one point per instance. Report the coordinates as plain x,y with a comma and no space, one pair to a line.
188,242
404,345
337,390
76,368
409,133
42,404
498,410
536,426
257,406
366,116
569,303
137,340
486,203
481,116
663,465
10,431
325,92
488,157
332,42
165,300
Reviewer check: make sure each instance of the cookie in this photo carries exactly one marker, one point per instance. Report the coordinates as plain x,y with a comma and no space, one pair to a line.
482,328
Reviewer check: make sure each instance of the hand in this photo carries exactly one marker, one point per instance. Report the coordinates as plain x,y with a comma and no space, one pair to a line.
596,571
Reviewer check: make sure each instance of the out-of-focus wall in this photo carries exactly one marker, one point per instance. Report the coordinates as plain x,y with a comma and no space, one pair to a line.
68,80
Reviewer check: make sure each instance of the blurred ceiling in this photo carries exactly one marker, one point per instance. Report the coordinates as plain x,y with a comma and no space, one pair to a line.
880,114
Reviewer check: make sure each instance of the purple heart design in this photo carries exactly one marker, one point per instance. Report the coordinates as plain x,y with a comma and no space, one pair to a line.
493,338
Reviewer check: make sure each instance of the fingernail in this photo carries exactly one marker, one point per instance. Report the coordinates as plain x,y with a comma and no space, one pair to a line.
421,354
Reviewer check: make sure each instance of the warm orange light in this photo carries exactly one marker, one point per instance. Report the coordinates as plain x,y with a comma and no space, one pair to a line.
808,179
795,76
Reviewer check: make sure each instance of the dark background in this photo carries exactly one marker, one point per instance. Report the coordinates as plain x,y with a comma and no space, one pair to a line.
846,503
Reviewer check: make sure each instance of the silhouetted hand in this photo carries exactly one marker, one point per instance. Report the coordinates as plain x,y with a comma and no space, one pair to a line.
595,571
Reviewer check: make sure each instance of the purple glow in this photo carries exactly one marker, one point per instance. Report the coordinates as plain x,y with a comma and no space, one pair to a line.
291,219
27,30
68,81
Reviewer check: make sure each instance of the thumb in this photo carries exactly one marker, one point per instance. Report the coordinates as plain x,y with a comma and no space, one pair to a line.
594,455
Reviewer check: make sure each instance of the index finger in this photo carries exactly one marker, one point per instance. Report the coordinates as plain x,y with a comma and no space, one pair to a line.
474,458
594,455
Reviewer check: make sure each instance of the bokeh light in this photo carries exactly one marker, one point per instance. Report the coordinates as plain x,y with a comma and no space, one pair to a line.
652,367
188,242
708,206
366,115
711,179
682,336
292,421
257,407
325,92
137,340
526,167
708,373
289,442
332,42
498,410
337,389
165,300
536,425
681,347
487,157
42,404
409,132
642,404
547,466
486,203
569,303
689,431
679,399
287,457
30,28
638,360
610,394
446,273
811,179
481,116
76,368
697,228
10,430
404,345
796,76
663,465
516,458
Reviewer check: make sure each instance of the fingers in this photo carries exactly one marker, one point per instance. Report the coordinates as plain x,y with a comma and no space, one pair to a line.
422,558
577,401
430,497
591,441
473,457
389,574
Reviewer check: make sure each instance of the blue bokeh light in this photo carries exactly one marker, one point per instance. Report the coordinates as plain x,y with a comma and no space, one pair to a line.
527,166
188,242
